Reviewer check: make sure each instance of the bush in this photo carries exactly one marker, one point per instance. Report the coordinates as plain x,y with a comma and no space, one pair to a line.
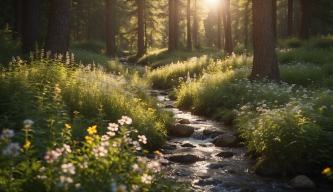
102,162
291,43
91,46
8,47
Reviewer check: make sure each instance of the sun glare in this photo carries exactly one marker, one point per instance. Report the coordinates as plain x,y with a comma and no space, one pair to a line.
212,3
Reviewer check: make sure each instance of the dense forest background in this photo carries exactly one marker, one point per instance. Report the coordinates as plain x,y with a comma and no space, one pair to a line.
28,20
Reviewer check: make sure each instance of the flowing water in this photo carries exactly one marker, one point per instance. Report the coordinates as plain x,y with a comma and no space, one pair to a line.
210,172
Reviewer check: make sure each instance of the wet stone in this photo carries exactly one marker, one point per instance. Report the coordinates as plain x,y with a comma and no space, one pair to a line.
210,181
302,182
169,147
184,159
180,130
169,106
216,166
184,121
226,140
188,145
203,145
212,133
225,154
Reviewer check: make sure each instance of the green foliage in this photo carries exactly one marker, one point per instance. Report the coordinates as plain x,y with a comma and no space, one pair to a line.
173,74
160,57
8,47
28,89
102,162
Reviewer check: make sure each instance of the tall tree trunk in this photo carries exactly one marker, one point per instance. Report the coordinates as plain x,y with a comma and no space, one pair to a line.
246,24
110,28
172,43
195,26
141,28
227,27
58,35
219,29
274,15
188,23
265,63
305,19
290,17
30,24
17,28
176,23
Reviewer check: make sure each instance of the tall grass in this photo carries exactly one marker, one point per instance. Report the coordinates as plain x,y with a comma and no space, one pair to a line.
99,97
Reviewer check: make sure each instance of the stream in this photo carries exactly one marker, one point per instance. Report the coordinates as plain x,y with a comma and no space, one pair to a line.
194,159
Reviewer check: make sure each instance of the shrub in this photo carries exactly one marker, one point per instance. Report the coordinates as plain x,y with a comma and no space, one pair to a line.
106,161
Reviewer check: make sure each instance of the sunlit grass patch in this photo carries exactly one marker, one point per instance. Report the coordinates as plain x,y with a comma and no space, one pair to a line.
28,90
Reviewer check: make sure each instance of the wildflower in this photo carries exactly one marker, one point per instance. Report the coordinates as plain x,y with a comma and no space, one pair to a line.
64,180
136,145
146,179
41,177
100,151
154,166
105,138
12,149
68,126
68,168
113,127
92,130
52,156
28,123
111,133
142,139
136,168
83,165
125,120
66,148
89,139
327,171
7,134
27,145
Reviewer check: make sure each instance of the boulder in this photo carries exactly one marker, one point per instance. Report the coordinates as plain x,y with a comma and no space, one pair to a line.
212,133
188,145
184,121
225,154
302,182
180,130
226,140
184,159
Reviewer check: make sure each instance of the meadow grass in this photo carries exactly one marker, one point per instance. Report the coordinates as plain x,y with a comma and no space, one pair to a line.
279,122
160,57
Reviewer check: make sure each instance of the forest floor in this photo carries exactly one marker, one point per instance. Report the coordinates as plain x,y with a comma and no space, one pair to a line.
205,107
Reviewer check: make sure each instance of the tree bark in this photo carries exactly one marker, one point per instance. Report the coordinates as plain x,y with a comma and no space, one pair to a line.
30,24
188,22
58,34
305,19
17,28
110,28
141,28
219,29
265,63
176,23
172,43
195,26
246,24
227,28
290,17
274,15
